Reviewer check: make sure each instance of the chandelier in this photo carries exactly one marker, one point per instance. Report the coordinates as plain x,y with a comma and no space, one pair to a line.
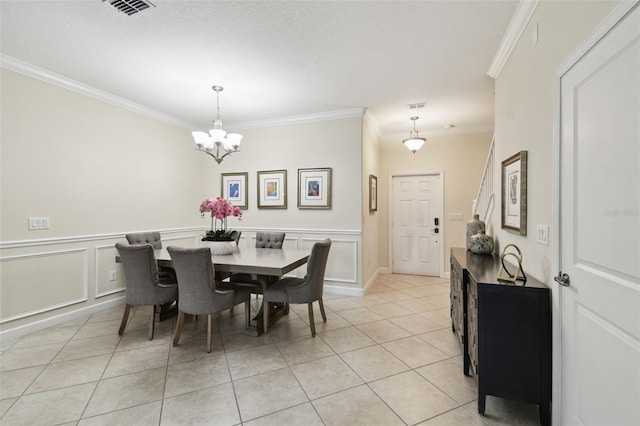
413,142
217,143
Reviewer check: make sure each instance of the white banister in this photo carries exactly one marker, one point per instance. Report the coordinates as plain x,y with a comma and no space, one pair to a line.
483,205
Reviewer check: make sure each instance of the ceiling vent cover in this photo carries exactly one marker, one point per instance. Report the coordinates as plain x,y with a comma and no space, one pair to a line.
130,7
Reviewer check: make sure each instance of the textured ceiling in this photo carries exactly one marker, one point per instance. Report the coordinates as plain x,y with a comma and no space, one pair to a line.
275,59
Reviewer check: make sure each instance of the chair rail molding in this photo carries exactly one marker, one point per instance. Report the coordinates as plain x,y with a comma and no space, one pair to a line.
84,238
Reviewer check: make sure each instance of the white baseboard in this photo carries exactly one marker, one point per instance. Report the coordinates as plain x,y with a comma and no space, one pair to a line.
345,291
17,332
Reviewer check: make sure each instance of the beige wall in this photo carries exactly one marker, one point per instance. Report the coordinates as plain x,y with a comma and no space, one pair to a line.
335,144
99,171
90,167
370,219
525,114
461,157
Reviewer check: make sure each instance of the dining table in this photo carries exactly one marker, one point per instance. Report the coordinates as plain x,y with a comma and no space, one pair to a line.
261,264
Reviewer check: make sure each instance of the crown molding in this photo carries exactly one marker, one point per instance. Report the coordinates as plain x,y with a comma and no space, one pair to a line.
399,137
300,119
373,125
33,71
518,23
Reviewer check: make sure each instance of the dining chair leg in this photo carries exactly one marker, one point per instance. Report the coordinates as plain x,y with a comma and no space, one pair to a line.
247,313
324,316
265,315
125,318
312,322
209,320
152,322
179,324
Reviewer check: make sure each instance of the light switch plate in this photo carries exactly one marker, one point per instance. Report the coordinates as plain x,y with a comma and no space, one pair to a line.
38,222
455,216
542,234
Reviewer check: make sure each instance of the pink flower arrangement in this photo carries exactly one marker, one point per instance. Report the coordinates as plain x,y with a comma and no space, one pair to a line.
220,209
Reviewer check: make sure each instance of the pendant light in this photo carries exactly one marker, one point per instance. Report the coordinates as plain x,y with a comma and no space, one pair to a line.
414,142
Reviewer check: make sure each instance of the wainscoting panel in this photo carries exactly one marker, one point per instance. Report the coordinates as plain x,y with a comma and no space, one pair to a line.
53,280
40,282
104,264
342,265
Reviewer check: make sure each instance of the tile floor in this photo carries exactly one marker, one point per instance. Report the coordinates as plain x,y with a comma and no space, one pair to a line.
388,358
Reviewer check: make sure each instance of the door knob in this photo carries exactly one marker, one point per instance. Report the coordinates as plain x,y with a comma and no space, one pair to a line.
562,279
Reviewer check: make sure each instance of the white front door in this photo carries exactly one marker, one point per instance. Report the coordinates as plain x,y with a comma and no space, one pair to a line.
416,224
600,231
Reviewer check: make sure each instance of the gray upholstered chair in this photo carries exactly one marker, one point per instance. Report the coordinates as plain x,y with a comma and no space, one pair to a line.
152,238
155,240
197,291
236,236
301,290
144,286
271,240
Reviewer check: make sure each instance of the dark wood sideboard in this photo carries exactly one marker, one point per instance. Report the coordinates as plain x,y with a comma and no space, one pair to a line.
504,329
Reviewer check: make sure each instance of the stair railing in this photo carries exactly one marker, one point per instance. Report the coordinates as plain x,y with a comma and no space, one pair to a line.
483,205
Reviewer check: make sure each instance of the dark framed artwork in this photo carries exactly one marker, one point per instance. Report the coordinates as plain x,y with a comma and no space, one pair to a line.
514,193
373,193
314,188
234,189
272,189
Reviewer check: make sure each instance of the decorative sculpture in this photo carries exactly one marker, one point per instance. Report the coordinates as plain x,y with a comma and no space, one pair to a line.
504,275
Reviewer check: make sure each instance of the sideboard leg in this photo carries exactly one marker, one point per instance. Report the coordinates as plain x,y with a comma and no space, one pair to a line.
482,398
545,413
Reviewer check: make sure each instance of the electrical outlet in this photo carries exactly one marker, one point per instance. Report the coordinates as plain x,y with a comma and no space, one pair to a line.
542,234
113,275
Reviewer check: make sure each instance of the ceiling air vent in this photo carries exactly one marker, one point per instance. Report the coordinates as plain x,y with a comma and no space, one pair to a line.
130,7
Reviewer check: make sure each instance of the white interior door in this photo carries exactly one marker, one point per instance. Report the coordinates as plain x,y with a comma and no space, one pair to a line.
416,224
600,231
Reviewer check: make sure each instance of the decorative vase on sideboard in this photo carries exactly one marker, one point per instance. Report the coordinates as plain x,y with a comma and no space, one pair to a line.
481,243
473,227
220,247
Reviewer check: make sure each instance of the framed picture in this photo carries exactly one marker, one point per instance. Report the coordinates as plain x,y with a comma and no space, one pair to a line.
514,193
272,189
373,193
234,189
314,188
